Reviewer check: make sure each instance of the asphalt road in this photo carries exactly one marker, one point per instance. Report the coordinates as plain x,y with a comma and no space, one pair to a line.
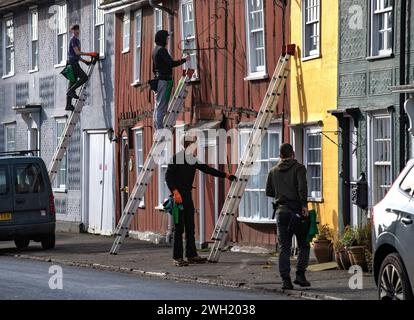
27,279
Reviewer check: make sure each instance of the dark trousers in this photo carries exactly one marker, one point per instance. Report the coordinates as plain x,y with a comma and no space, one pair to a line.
185,223
285,234
81,78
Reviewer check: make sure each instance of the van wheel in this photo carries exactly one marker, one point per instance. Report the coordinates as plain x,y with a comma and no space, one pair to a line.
393,283
21,243
48,242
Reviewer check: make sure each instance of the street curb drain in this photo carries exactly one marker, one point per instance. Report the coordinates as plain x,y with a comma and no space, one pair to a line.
176,277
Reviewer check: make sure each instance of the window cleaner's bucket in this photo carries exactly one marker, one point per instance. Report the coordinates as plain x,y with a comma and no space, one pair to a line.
69,73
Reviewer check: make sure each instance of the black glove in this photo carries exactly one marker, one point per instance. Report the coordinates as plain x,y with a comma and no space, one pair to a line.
232,177
87,62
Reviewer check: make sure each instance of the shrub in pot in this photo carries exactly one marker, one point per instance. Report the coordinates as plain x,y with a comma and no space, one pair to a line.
338,246
361,245
322,245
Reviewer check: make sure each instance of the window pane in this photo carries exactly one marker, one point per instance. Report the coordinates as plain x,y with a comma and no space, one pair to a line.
35,54
4,186
29,179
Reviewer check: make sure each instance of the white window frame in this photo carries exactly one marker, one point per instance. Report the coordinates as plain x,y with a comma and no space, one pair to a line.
372,183
10,47
7,127
62,31
139,157
379,11
158,20
255,72
99,28
126,32
313,131
138,47
163,164
33,38
311,28
189,38
265,216
58,186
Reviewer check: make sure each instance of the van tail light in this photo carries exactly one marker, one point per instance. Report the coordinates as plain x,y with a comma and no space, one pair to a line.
52,205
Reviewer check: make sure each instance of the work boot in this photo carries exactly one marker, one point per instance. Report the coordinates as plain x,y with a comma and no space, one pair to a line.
301,280
180,262
287,284
197,260
72,94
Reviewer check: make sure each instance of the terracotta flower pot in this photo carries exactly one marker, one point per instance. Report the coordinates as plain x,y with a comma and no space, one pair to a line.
323,250
338,260
358,256
345,259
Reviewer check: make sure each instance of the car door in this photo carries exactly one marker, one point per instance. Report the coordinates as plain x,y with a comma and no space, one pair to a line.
404,228
31,198
6,196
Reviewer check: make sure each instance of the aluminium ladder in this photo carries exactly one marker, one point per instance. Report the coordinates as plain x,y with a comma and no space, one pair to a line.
70,125
174,108
246,165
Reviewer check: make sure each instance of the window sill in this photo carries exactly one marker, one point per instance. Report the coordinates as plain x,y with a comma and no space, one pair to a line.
159,208
59,65
315,200
380,57
8,76
34,70
256,76
125,51
312,57
256,221
60,190
136,84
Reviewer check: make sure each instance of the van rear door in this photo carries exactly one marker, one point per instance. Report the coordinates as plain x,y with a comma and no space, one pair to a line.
6,195
31,195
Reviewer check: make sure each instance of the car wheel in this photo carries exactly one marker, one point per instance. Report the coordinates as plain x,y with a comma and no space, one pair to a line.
21,243
393,283
48,242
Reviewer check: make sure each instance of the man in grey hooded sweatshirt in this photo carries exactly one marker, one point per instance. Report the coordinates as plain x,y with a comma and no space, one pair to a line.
287,184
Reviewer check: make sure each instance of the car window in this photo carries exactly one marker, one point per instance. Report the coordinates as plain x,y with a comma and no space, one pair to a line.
4,186
29,179
407,185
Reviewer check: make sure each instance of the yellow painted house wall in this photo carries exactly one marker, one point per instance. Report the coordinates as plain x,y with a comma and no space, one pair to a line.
313,93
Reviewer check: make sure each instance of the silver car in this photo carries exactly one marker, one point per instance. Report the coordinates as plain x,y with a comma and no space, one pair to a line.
393,243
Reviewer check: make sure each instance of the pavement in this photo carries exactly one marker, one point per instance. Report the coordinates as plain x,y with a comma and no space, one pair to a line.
29,279
234,270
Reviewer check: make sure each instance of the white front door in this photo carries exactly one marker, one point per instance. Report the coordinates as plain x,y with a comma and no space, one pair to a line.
99,200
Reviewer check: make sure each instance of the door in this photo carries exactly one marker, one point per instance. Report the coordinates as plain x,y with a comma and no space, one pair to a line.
6,195
353,144
100,196
124,173
208,186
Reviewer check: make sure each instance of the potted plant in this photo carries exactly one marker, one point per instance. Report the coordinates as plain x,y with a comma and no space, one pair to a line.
322,245
362,244
347,240
338,247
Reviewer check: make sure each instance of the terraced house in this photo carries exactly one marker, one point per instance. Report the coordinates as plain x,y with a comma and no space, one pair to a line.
376,44
314,29
34,39
234,47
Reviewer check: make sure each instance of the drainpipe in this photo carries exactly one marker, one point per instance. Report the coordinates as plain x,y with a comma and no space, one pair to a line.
154,4
402,115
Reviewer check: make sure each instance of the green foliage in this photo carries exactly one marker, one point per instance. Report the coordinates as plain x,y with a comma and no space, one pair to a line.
324,232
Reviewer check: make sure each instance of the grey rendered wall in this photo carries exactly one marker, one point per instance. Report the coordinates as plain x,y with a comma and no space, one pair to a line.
366,83
48,88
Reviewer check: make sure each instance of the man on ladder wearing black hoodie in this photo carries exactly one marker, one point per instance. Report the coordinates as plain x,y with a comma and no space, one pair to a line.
162,68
